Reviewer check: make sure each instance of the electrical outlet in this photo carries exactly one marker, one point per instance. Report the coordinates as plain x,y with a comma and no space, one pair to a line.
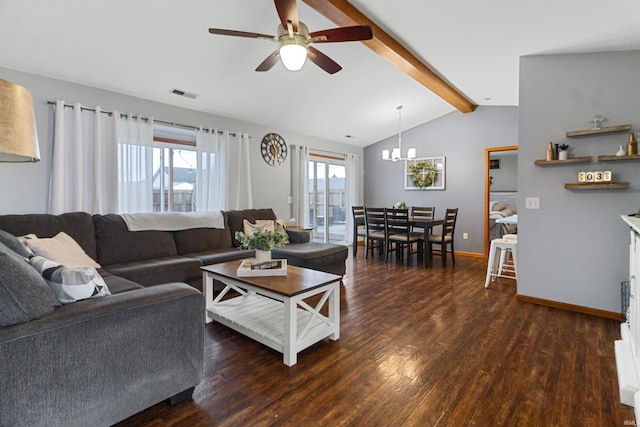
532,203
465,236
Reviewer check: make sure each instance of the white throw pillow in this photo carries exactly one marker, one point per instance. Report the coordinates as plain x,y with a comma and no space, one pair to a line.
62,249
262,224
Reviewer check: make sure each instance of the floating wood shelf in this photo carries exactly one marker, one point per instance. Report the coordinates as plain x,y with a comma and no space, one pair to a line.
543,162
616,158
596,186
620,128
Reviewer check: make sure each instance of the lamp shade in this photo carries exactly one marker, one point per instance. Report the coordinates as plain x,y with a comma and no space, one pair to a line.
293,56
18,134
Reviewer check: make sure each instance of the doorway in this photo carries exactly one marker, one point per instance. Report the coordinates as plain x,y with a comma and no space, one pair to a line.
327,197
500,184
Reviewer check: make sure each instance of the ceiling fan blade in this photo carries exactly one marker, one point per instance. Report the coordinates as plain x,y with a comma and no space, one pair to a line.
343,34
288,11
235,33
323,61
269,62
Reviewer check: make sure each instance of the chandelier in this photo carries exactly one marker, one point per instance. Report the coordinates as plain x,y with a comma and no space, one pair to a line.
396,153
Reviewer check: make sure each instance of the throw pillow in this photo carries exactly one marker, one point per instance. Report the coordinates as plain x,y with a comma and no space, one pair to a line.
70,284
62,249
24,294
281,225
262,224
12,242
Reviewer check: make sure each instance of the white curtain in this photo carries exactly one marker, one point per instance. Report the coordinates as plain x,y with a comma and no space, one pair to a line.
300,184
135,164
239,194
352,195
211,175
83,170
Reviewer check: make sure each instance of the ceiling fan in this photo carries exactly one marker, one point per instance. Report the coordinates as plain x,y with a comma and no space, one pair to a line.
294,40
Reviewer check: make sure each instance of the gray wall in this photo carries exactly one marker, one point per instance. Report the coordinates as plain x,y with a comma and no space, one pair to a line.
574,249
24,187
462,139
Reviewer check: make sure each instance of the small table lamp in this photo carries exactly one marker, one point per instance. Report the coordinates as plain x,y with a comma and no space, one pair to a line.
18,134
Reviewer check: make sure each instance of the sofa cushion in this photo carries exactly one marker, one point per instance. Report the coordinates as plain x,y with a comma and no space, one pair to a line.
116,244
117,284
156,271
202,239
24,294
221,255
78,225
62,249
316,256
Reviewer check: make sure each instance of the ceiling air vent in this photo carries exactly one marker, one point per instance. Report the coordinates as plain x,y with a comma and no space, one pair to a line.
184,93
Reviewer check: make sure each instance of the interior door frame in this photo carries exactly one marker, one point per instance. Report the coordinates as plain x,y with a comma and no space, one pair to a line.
487,156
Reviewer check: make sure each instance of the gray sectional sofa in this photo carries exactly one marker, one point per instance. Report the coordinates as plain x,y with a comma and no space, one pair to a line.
98,361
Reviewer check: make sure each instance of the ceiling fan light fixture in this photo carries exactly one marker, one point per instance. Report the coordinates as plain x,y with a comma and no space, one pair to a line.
293,56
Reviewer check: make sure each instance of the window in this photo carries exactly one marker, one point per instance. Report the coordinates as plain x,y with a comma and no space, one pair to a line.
174,170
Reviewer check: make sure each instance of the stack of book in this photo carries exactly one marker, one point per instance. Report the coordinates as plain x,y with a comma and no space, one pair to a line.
274,267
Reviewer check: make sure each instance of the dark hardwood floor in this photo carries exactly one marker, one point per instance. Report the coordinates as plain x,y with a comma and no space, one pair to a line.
418,347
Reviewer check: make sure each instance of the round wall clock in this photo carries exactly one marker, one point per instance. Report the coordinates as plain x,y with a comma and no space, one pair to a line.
274,149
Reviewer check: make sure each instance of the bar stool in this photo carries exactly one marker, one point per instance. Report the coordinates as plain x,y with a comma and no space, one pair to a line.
500,263
506,262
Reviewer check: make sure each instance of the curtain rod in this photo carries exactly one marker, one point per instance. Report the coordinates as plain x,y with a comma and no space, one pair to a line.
146,119
328,154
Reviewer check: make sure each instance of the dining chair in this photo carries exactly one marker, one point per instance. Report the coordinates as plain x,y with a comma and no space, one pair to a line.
375,236
445,238
359,230
399,232
423,212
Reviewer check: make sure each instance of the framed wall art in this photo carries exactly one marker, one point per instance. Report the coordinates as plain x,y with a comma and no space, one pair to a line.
427,173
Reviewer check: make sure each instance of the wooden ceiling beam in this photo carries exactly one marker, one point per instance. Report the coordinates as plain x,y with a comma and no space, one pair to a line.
343,13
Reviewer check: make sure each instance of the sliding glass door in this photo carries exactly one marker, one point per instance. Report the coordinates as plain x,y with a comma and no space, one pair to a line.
327,200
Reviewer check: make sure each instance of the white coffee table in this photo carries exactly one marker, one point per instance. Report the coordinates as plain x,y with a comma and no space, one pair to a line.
272,309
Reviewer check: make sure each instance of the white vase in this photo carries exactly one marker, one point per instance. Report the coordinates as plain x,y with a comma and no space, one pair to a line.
262,256
562,155
621,152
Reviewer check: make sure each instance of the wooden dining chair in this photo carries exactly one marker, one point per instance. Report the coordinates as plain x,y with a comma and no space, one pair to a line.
423,212
445,238
400,235
375,236
359,230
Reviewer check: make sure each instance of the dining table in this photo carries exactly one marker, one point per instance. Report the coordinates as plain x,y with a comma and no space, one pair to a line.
507,220
427,224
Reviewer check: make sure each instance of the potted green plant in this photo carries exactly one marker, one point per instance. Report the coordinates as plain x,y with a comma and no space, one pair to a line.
263,241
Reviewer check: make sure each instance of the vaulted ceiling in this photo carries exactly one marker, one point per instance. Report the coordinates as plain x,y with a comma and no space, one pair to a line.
146,48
